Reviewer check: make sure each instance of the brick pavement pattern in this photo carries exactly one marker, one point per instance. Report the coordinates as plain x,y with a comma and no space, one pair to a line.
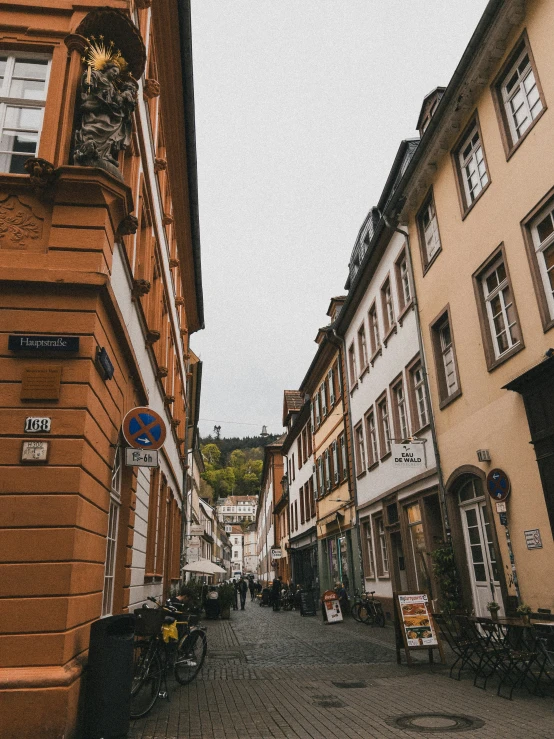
278,676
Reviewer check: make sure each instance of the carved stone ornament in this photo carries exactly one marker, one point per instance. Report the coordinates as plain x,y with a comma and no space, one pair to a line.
140,288
184,332
162,372
151,89
42,174
152,336
179,301
104,116
20,227
169,399
128,225
186,356
176,422
173,262
160,164
167,220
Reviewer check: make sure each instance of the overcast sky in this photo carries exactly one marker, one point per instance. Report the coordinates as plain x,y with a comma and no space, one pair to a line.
300,108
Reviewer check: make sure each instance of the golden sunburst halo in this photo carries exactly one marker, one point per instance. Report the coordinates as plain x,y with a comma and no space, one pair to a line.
98,54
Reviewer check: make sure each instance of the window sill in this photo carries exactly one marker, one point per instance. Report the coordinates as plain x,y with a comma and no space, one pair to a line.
376,353
362,474
450,399
369,577
510,152
504,358
384,576
364,372
386,456
373,466
392,330
469,208
354,387
404,311
423,428
430,263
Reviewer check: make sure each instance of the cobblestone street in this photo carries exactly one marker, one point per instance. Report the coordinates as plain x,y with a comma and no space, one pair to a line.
278,675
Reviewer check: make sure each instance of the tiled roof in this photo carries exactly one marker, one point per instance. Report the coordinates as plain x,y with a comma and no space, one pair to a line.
236,499
292,403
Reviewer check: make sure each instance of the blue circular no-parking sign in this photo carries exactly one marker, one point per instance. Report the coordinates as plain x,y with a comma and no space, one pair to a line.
143,428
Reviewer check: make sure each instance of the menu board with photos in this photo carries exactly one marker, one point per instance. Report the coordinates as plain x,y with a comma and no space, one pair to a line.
415,623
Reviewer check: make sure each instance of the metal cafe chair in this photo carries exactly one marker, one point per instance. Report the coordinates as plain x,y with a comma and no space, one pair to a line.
464,649
543,644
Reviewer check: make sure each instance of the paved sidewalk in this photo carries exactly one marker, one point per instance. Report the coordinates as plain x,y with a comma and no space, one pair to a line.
278,675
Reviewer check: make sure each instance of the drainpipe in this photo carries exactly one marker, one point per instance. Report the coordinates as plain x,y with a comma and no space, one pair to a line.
341,346
442,492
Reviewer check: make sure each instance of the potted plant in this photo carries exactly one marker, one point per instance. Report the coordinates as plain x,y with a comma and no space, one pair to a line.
493,607
226,599
524,611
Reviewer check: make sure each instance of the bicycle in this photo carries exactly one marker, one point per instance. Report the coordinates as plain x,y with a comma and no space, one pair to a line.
154,653
374,611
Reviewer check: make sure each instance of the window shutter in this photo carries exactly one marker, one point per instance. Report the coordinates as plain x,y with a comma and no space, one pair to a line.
317,419
331,387
335,462
323,400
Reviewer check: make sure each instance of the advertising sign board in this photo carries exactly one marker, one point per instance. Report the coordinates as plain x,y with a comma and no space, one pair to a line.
408,456
332,613
276,553
414,623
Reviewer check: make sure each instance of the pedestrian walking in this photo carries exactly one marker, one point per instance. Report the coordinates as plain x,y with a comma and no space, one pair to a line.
276,594
252,589
236,598
243,589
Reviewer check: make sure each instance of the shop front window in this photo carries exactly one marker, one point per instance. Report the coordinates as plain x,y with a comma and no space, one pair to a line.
418,546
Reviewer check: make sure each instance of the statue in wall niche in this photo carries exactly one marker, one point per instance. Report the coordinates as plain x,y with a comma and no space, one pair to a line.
108,99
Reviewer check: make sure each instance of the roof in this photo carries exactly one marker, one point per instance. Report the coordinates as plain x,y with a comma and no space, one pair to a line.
236,529
236,499
436,93
292,403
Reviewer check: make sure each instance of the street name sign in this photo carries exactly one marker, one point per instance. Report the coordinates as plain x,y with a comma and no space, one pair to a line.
143,428
141,458
43,343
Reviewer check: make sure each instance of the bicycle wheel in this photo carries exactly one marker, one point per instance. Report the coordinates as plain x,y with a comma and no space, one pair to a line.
366,615
147,678
191,652
379,615
355,612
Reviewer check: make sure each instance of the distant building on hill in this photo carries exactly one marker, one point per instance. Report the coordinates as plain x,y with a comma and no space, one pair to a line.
237,508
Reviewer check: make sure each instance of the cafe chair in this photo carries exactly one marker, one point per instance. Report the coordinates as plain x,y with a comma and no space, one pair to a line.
463,648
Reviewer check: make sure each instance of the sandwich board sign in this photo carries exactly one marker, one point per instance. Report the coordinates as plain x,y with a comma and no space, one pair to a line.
415,628
332,613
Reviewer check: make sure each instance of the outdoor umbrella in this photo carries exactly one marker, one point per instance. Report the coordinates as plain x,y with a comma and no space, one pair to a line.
203,567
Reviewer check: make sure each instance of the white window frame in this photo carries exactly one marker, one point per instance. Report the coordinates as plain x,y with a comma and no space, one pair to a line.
400,401
508,97
404,279
431,230
352,364
541,247
447,353
362,347
373,318
336,475
360,449
388,303
383,544
331,387
473,167
323,395
344,459
384,421
500,292
368,535
420,396
6,101
372,442
328,483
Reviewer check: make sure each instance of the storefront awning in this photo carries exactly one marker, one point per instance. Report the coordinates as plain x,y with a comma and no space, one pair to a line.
331,518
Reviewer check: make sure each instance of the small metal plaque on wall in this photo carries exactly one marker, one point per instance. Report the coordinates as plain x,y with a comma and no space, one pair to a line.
35,451
533,539
41,382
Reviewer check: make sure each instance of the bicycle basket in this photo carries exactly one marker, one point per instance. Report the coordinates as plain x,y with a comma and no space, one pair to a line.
148,621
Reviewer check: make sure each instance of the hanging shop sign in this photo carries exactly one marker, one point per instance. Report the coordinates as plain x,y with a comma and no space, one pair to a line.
498,484
141,458
42,382
276,553
143,428
533,539
332,613
37,425
43,343
35,451
414,625
408,456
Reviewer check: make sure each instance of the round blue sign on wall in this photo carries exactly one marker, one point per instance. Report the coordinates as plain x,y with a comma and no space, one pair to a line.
498,484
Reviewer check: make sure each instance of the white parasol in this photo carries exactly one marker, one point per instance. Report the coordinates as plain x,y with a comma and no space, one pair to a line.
203,567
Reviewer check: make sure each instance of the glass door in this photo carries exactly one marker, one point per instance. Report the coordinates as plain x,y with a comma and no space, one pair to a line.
480,549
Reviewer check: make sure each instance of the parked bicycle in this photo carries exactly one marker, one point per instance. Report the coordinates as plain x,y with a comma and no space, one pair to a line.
367,610
165,638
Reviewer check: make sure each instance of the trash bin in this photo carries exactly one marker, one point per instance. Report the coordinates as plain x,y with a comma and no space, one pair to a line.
109,677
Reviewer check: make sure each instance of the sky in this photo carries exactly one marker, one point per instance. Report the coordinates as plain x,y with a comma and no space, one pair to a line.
300,108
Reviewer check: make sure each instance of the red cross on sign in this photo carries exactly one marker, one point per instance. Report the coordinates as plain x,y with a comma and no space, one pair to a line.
143,428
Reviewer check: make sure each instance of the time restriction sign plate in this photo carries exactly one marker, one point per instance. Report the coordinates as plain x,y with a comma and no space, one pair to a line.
143,428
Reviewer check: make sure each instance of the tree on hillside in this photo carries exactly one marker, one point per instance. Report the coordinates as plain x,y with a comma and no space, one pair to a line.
237,471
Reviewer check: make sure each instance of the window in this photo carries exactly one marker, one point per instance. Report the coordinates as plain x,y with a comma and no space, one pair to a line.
540,232
419,399
387,305
372,448
307,501
299,445
445,358
343,460
384,426
312,496
367,551
428,228
331,386
327,470
362,348
497,311
472,166
400,412
321,477
317,414
382,553
24,82
323,396
518,96
359,449
374,330
403,281
309,441
352,365
335,463
301,496
111,538
292,468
